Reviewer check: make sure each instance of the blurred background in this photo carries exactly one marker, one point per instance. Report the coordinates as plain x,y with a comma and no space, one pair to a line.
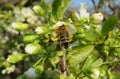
10,11
108,7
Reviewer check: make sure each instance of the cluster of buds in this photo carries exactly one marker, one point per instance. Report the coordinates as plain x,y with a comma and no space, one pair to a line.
83,15
8,70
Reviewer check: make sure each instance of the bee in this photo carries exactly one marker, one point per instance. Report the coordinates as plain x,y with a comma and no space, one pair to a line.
64,33
63,36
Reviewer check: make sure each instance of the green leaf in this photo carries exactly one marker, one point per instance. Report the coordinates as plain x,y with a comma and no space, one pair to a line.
63,7
114,75
90,36
55,7
66,77
97,63
59,7
39,69
90,60
92,73
109,25
117,50
44,5
77,55
9,5
15,58
48,74
54,60
22,3
74,18
101,3
21,77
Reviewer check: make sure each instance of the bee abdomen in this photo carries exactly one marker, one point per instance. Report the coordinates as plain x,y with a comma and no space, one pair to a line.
63,36
64,39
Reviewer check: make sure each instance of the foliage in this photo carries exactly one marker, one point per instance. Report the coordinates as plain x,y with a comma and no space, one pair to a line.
29,39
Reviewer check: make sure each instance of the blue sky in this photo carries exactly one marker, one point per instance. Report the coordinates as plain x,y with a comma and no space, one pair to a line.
76,3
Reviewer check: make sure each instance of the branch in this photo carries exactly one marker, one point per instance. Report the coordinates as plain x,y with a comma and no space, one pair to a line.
114,8
110,5
63,66
94,5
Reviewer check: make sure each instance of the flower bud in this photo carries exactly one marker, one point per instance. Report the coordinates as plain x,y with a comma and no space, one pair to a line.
8,70
39,69
32,48
97,18
38,10
40,30
20,26
95,74
30,38
31,74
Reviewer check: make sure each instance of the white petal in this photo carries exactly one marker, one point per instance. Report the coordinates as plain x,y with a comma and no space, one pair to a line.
83,11
39,30
71,29
77,15
58,24
87,26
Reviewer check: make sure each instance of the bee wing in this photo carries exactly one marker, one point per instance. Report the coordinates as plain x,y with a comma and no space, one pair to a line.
71,29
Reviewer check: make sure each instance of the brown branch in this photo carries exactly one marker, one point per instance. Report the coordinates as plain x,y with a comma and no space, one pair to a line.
63,62
94,5
110,5
97,8
114,8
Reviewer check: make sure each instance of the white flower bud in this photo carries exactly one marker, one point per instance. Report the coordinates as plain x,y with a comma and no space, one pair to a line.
30,73
95,74
32,48
8,70
20,26
97,18
4,71
38,10
27,12
39,30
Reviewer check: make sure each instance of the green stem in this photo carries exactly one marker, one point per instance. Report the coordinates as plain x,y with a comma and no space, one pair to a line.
38,62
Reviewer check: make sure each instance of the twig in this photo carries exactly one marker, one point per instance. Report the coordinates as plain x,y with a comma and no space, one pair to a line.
94,5
63,61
